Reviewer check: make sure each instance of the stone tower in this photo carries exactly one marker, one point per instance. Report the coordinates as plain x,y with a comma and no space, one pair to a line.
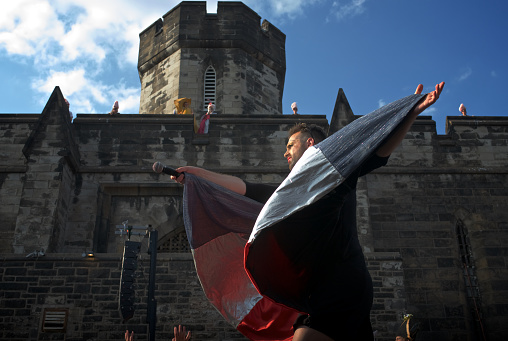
227,58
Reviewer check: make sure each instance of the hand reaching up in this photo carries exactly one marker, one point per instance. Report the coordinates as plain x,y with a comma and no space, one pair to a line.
129,336
180,334
430,98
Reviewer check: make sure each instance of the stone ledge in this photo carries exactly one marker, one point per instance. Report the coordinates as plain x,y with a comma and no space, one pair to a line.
189,119
477,120
370,256
9,257
439,170
13,169
19,118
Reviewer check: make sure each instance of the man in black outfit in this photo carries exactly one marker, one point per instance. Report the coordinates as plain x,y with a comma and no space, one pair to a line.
332,285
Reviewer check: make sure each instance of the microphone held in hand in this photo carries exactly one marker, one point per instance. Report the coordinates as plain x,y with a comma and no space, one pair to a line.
160,168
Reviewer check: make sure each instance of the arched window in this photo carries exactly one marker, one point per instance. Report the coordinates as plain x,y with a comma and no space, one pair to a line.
210,86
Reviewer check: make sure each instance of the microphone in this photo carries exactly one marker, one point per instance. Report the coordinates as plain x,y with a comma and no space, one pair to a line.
160,168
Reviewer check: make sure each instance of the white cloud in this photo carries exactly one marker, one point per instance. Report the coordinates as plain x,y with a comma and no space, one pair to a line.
349,9
107,28
465,74
27,26
493,74
381,103
281,8
72,81
289,7
73,43
84,93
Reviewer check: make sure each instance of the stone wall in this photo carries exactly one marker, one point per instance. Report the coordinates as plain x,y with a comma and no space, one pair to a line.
431,186
81,180
248,57
88,288
78,181
14,132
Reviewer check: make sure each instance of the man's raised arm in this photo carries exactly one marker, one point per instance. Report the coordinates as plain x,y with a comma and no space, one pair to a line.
228,181
389,146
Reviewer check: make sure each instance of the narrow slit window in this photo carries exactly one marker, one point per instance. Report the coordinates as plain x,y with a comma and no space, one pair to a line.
210,87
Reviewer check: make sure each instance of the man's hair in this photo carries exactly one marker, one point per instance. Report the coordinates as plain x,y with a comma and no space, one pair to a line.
308,130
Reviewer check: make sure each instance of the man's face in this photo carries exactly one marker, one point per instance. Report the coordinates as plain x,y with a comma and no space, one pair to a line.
295,148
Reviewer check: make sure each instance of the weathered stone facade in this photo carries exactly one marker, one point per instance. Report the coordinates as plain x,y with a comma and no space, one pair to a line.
249,60
440,203
65,191
88,289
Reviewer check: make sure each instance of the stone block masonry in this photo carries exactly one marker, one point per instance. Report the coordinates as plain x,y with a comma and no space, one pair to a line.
88,289
408,212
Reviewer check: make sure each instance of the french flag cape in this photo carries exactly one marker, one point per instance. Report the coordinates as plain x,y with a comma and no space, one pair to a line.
240,262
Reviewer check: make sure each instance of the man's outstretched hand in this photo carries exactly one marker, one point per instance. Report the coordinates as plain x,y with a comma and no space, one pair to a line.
430,98
391,143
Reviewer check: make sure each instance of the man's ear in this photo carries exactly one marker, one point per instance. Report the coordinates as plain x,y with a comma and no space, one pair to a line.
310,142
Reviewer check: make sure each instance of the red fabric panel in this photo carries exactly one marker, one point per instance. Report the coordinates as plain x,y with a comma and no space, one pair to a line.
268,321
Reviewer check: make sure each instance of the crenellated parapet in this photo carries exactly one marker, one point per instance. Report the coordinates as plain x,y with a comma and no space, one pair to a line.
234,26
474,144
471,144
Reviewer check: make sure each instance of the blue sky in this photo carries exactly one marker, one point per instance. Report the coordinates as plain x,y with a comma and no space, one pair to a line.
376,50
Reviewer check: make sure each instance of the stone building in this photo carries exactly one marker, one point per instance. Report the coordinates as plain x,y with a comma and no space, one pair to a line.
433,222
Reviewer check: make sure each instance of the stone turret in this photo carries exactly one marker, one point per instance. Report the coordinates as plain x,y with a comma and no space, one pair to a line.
52,159
244,62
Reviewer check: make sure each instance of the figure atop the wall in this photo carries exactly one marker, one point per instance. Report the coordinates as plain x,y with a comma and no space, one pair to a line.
205,120
183,107
114,109
294,107
68,107
462,109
